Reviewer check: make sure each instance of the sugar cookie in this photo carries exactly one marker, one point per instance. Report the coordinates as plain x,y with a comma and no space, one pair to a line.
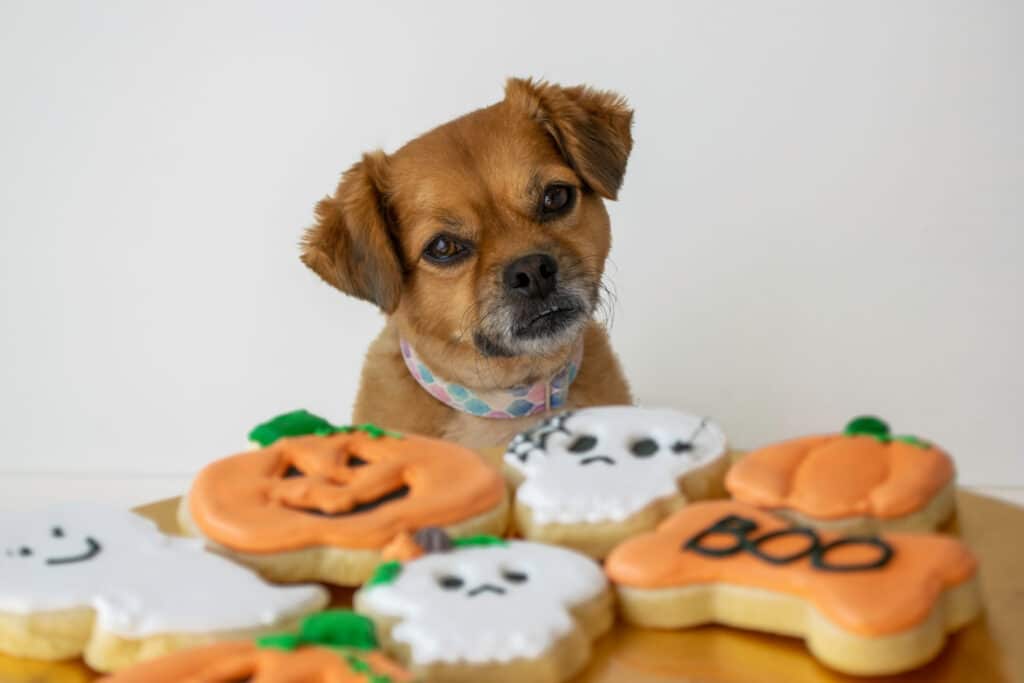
866,605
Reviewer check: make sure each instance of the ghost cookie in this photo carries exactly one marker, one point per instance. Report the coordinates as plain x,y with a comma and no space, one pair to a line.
589,479
86,579
484,609
866,605
322,506
330,647
863,480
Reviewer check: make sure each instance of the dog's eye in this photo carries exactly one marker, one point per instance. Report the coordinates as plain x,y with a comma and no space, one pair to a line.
557,200
444,250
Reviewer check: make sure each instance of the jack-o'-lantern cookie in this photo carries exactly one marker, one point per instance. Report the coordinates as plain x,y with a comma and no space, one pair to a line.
104,583
866,605
484,609
322,506
861,481
589,479
331,647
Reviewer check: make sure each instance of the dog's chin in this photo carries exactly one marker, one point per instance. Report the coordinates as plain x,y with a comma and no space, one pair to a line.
537,330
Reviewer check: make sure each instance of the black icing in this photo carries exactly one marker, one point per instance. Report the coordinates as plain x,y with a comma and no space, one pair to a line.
582,444
740,529
292,471
486,588
93,549
597,458
399,493
644,448
25,551
513,576
356,461
450,583
57,532
682,447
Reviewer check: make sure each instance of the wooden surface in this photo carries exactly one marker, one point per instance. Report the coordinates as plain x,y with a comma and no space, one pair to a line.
989,651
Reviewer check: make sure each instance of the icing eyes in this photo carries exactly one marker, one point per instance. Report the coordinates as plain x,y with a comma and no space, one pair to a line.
450,583
644,448
513,576
682,447
582,444
25,551
57,532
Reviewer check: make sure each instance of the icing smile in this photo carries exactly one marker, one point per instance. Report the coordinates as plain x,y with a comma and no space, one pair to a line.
367,506
483,588
597,458
94,549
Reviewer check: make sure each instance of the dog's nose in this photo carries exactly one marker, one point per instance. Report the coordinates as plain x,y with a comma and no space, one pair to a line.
533,275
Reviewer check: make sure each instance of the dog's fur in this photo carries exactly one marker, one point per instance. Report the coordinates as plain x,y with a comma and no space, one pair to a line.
480,179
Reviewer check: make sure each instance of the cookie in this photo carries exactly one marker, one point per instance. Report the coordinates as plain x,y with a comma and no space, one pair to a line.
866,605
331,647
591,478
484,609
864,480
322,506
105,583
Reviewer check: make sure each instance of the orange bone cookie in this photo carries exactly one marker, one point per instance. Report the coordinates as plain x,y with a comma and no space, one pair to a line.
331,647
861,481
866,605
323,506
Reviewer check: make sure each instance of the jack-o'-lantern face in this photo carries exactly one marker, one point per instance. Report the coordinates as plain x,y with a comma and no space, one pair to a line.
357,489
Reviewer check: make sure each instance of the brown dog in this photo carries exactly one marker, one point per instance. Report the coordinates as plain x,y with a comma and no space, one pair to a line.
484,243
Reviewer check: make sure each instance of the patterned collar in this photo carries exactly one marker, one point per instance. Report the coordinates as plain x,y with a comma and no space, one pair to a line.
520,401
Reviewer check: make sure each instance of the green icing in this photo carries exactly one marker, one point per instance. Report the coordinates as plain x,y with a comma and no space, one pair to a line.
868,425
333,628
481,540
303,423
385,573
360,666
912,440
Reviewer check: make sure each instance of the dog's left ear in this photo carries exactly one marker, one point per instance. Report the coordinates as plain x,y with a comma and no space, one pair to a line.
591,128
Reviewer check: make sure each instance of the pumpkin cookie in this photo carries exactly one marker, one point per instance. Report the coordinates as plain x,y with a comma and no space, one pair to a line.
331,647
861,481
591,478
322,506
866,605
104,583
484,609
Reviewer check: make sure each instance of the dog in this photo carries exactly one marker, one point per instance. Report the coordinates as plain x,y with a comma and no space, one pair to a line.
483,242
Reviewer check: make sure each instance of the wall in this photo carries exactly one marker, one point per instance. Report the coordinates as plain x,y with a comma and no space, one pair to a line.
822,216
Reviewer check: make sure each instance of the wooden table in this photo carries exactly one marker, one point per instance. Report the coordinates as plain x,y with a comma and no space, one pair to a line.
989,651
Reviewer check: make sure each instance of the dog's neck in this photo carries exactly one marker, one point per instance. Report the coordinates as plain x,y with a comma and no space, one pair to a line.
528,397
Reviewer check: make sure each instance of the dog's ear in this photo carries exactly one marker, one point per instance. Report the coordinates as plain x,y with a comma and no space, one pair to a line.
591,128
351,245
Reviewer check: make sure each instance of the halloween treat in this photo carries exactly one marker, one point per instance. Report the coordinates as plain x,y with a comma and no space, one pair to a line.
866,605
86,579
331,647
863,480
322,506
485,609
589,479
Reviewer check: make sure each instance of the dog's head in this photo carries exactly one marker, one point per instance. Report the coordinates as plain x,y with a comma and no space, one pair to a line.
488,232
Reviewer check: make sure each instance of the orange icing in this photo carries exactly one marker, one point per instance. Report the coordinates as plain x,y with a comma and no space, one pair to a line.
246,503
873,602
235,661
831,477
403,548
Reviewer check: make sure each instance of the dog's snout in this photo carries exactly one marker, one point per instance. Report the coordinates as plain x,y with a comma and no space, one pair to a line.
533,276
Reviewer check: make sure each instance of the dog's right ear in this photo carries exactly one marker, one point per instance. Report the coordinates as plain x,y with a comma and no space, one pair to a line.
351,245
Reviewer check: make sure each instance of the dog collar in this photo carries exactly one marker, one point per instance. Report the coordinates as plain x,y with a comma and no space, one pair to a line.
519,401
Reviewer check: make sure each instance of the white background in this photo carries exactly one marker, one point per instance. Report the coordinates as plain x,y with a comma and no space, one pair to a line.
822,217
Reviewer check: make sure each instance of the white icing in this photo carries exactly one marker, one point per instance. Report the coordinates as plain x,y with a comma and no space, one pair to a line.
560,488
140,582
442,625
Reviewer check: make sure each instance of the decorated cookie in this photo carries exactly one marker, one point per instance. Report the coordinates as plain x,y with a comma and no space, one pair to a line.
331,647
863,480
589,479
86,579
484,609
322,506
866,605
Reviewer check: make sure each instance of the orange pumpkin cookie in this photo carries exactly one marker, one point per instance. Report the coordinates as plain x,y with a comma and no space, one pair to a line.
323,506
331,647
861,481
866,605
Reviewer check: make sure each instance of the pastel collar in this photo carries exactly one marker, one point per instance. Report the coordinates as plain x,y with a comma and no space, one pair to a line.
519,401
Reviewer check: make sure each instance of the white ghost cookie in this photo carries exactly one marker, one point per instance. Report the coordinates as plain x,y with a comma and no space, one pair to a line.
484,609
105,583
591,478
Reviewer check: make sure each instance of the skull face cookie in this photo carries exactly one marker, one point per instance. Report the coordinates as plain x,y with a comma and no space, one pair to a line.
86,579
589,479
489,610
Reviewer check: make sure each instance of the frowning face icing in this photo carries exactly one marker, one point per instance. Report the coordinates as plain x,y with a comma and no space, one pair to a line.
138,580
490,603
604,464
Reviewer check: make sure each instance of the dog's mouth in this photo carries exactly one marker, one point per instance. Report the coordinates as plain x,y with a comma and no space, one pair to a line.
546,318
